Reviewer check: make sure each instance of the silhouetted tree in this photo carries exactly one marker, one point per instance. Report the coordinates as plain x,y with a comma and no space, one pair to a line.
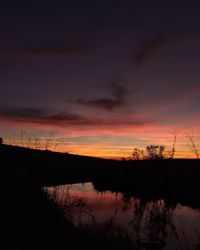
152,152
137,154
1,140
175,133
41,141
192,144
155,152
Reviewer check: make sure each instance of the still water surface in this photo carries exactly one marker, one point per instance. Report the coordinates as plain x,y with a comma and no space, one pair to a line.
178,226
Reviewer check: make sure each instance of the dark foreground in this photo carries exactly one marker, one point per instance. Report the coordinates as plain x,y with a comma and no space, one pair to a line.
30,221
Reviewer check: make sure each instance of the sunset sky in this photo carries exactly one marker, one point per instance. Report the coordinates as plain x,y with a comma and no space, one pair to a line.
102,76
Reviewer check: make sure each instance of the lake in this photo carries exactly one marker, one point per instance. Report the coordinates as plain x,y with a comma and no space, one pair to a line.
177,226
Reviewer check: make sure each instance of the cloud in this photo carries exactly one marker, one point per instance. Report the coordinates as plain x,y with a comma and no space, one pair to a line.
63,119
45,52
171,40
118,98
41,116
107,104
11,112
148,49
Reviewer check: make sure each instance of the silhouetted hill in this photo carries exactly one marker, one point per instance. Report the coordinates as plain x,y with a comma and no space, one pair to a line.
30,221
148,178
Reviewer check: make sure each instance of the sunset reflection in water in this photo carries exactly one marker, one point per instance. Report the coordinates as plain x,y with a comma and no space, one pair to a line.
178,226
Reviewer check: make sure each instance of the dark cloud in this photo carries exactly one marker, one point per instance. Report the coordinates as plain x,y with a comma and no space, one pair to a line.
61,119
47,52
10,112
41,116
107,104
118,99
148,49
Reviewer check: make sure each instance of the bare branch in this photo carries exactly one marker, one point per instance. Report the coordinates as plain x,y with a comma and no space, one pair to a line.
192,143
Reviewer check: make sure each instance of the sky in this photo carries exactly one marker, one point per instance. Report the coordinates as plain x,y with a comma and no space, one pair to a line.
103,77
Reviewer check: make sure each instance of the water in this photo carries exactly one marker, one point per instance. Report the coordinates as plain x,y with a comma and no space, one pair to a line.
177,226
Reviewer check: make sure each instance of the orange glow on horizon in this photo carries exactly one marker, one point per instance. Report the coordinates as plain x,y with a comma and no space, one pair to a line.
107,142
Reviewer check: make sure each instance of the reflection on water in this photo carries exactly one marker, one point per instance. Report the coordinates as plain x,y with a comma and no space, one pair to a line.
178,227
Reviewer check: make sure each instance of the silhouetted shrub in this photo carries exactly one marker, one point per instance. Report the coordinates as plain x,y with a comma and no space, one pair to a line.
138,154
152,152
155,152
